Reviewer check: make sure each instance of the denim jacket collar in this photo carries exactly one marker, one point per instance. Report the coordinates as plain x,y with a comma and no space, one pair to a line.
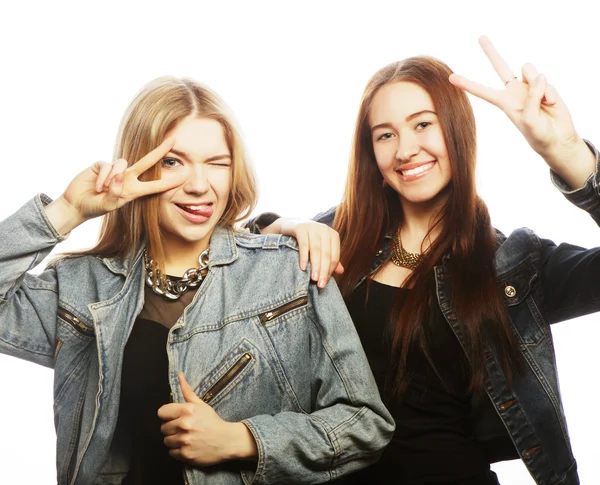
223,250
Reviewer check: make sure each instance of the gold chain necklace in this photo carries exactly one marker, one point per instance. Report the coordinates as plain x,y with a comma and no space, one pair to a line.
401,257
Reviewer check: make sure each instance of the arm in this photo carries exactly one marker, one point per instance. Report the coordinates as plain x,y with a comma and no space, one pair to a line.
569,273
28,303
535,108
318,242
539,113
348,426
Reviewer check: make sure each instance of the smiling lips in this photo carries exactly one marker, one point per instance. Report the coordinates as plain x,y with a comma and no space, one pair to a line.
414,170
196,213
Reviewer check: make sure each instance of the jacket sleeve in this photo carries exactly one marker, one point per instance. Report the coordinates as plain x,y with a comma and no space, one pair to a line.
28,303
326,217
258,223
348,426
570,273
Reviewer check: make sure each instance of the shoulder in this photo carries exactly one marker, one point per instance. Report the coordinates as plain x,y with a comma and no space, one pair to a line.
89,277
265,242
519,247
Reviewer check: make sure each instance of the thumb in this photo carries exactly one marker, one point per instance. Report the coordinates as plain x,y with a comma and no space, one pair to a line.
188,393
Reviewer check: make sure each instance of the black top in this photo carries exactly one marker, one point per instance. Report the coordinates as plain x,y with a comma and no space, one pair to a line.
433,441
145,388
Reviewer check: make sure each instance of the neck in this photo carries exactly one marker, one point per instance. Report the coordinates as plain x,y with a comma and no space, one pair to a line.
182,255
418,219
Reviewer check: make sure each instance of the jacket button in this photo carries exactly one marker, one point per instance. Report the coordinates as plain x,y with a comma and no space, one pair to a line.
510,291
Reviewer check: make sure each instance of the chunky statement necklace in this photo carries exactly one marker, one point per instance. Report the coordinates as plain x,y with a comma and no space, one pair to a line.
401,257
163,285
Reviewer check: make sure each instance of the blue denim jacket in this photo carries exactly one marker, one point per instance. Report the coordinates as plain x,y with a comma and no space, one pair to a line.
543,284
267,347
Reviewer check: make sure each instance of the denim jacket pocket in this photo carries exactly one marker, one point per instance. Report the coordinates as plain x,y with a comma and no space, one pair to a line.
267,317
522,296
228,373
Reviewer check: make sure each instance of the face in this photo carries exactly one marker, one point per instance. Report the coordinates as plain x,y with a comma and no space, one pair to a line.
190,212
408,143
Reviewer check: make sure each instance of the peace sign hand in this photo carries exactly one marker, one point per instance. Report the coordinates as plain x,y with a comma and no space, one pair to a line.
103,188
538,112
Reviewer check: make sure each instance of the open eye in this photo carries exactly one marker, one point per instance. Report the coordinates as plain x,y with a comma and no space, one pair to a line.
170,162
384,136
422,125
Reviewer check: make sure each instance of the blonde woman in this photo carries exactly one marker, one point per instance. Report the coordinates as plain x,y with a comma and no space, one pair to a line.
184,351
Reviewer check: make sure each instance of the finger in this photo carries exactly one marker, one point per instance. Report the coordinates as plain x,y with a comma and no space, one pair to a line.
303,244
498,63
335,253
176,453
314,245
169,428
324,272
158,186
531,109
339,269
173,441
153,157
529,73
118,166
101,169
116,187
188,393
486,93
170,411
550,96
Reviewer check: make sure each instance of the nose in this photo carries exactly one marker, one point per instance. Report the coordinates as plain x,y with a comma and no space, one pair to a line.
197,181
408,146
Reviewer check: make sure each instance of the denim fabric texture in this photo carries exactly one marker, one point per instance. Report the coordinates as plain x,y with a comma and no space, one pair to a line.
303,388
543,284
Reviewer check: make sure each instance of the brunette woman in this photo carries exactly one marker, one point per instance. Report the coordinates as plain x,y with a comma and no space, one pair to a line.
453,315
279,388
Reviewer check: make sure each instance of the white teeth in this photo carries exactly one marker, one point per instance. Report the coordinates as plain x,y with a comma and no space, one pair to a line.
418,170
195,207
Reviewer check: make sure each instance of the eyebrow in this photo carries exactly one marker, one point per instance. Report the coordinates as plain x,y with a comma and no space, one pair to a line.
408,118
210,159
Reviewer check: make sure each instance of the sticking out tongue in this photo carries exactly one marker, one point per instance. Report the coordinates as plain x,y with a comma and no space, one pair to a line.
201,210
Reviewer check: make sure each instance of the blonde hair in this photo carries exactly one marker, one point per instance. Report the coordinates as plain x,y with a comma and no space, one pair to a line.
156,110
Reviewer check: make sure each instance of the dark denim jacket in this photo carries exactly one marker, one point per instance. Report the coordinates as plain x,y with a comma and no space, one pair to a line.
543,284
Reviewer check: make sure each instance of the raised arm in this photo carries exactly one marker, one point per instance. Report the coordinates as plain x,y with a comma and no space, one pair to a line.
539,113
28,303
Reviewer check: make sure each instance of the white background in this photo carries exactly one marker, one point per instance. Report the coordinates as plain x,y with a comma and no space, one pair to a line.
293,72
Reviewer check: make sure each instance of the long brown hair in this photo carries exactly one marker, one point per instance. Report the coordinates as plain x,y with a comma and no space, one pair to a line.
157,109
370,209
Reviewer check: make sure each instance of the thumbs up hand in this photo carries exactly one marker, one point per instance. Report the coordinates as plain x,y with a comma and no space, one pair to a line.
196,435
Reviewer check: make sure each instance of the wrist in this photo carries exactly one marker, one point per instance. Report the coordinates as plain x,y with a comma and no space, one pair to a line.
574,163
241,443
63,215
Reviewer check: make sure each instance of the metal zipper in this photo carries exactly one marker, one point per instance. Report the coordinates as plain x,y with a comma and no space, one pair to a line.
218,386
75,322
288,307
